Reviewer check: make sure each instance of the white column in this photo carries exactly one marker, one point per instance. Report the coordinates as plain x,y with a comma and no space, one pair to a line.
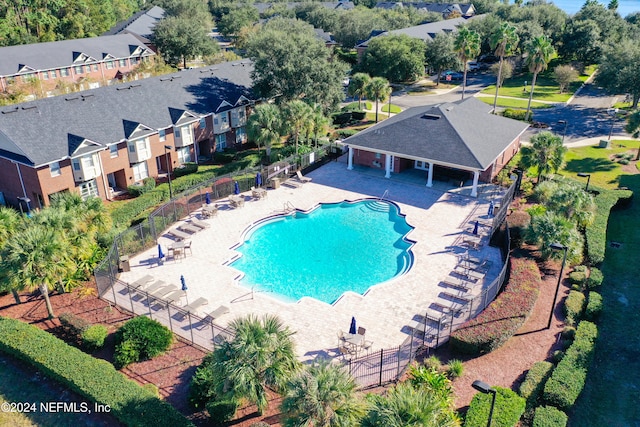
430,175
350,162
474,189
387,166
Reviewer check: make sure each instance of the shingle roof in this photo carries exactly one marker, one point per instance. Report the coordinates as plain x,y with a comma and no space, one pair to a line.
53,55
37,132
338,5
142,23
462,134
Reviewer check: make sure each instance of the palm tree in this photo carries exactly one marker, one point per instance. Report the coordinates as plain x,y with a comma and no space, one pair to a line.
10,222
378,89
545,152
409,406
504,41
37,258
296,117
550,228
357,84
568,199
260,356
467,46
322,395
318,123
264,126
539,53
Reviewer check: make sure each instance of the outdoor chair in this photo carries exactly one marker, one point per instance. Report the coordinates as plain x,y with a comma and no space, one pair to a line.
142,282
187,247
218,312
162,291
194,305
302,179
366,346
189,227
174,296
198,223
361,330
179,235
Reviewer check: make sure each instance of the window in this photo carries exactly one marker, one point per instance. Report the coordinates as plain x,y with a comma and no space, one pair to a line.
419,164
45,75
187,135
52,74
215,120
122,62
76,164
88,189
221,142
140,147
95,67
64,72
140,171
55,168
87,69
109,65
184,155
78,69
163,135
113,150
134,61
203,123
241,135
241,114
176,133
224,118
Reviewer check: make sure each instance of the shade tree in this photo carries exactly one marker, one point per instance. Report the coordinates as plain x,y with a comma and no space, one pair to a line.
619,71
440,55
179,39
397,58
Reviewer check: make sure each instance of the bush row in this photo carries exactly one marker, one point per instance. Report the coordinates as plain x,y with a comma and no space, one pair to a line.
513,113
502,318
594,306
508,409
92,378
533,384
596,233
548,416
89,337
147,185
573,307
568,378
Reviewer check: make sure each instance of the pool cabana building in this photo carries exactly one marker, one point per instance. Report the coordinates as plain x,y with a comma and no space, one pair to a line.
458,140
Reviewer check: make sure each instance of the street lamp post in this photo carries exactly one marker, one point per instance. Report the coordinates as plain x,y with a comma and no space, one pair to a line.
557,247
166,154
483,387
565,123
612,112
585,175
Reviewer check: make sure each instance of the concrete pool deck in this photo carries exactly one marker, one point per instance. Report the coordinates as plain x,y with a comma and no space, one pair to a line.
439,218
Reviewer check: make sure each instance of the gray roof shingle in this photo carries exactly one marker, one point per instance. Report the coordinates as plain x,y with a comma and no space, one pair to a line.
38,132
461,134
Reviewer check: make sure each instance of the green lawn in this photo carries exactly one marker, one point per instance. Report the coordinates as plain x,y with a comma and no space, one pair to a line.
610,397
546,89
394,108
366,105
513,103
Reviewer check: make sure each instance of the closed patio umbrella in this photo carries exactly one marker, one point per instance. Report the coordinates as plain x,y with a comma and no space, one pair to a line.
207,198
491,207
184,283
236,188
258,179
353,329
160,253
475,228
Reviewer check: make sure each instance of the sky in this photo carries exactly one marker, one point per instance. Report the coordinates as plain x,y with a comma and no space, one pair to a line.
625,7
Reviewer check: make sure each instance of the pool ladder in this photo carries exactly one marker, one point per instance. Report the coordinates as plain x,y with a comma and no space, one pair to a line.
288,207
384,195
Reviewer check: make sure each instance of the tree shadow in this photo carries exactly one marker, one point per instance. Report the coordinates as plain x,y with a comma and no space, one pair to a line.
590,165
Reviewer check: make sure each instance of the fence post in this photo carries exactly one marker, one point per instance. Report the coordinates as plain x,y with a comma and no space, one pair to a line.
169,316
190,327
381,358
398,357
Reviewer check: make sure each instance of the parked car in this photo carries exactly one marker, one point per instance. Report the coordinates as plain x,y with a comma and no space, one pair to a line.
473,66
451,75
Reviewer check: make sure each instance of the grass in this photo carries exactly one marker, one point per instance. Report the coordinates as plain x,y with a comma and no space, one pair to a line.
366,105
394,108
513,103
610,394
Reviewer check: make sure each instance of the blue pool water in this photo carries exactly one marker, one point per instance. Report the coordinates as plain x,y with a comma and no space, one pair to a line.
335,248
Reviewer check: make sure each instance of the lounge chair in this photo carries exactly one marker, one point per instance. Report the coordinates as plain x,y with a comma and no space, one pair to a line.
162,291
193,306
218,312
154,286
199,223
174,296
180,235
302,179
292,183
142,282
189,227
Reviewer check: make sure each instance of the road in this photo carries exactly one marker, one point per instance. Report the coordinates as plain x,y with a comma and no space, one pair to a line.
586,115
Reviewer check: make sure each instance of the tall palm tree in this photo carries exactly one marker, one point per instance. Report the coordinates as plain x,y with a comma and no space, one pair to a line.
295,120
409,406
260,356
568,199
357,84
264,126
539,53
467,46
10,223
37,258
378,89
504,41
322,395
550,228
545,152
318,123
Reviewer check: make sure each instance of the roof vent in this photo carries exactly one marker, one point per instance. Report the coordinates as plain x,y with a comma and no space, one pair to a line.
170,79
31,107
72,98
10,111
128,87
431,116
84,97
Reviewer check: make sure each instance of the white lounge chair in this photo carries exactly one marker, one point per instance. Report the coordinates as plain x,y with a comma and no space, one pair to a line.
218,312
189,227
142,282
154,286
180,235
193,306
161,292
199,223
302,179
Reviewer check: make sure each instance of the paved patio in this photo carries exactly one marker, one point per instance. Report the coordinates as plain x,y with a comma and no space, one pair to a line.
439,215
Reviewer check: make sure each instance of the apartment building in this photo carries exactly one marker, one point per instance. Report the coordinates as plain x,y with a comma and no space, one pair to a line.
95,142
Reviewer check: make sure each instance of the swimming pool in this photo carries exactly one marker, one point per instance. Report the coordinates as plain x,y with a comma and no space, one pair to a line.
334,248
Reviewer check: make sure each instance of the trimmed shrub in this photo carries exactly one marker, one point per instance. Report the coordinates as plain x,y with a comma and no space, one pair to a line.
222,411
502,318
345,133
548,416
93,337
518,223
578,278
594,306
341,118
514,114
73,326
595,278
94,379
358,115
508,409
533,384
568,378
573,307
185,169
137,190
141,338
596,232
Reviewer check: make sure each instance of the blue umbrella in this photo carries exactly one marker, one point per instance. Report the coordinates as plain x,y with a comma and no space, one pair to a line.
160,253
475,228
491,206
236,189
184,284
207,198
258,179
352,328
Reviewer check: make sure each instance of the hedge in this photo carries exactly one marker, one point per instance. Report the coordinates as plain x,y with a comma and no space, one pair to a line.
573,307
141,338
595,278
594,306
514,114
596,233
94,379
548,416
508,409
147,185
533,384
504,316
568,378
